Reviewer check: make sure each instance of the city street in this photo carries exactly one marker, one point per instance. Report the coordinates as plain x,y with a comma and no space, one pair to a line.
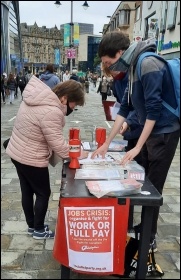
23,257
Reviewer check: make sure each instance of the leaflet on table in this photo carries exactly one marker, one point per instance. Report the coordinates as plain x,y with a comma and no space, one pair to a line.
114,187
88,160
103,174
114,110
114,145
135,171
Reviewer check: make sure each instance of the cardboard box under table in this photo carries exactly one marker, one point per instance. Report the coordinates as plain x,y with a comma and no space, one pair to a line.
91,233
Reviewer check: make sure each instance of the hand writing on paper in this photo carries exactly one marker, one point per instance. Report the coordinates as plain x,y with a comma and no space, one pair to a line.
130,155
100,151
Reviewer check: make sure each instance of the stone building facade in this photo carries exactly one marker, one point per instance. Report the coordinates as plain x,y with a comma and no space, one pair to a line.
41,46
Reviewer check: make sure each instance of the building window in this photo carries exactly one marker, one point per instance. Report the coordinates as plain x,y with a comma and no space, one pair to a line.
172,13
151,27
138,11
124,17
163,16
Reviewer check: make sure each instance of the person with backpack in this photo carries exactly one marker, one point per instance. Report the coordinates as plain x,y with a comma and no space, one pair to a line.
21,82
161,127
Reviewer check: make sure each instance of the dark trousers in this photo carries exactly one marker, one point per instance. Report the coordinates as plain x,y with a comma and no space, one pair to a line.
157,158
34,180
3,94
21,89
104,96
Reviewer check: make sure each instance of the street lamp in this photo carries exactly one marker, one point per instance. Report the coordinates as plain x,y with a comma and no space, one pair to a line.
85,6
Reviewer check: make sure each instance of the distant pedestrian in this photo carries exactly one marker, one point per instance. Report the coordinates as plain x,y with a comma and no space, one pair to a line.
49,78
74,75
21,82
28,76
11,85
2,89
86,85
66,76
103,88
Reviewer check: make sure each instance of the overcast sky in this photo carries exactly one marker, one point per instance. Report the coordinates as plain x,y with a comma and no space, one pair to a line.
46,13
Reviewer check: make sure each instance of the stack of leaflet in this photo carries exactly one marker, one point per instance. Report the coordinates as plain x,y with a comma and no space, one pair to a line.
114,187
99,174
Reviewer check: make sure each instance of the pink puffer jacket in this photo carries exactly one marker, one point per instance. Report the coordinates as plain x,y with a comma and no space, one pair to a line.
38,128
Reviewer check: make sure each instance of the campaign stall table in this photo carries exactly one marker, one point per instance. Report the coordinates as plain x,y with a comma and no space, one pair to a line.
75,194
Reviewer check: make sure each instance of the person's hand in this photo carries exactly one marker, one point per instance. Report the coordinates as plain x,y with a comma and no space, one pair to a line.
100,151
130,155
84,154
123,128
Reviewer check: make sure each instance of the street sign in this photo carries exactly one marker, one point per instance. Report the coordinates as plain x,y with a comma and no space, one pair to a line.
71,53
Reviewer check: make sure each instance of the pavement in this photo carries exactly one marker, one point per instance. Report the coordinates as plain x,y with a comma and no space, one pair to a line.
23,257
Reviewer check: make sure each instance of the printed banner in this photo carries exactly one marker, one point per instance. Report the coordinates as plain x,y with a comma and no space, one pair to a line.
76,34
57,56
90,234
66,35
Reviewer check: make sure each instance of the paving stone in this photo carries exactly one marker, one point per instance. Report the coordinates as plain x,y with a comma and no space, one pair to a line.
5,181
12,260
6,165
51,274
167,245
168,230
170,218
14,227
5,241
11,175
26,242
40,260
174,207
7,214
171,275
49,244
19,275
56,196
15,196
16,205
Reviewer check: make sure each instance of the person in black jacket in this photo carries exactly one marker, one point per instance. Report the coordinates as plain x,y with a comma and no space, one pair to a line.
74,75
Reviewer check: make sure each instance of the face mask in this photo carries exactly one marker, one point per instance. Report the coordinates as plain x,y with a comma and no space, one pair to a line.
124,62
69,110
120,65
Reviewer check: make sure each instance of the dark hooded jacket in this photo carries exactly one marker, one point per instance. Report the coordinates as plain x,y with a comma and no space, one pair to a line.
49,79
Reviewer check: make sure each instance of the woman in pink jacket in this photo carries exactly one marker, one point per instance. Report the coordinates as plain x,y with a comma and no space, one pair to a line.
38,130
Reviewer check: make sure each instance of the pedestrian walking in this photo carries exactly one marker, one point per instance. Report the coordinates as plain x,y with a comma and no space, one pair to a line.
103,88
3,89
49,78
11,85
21,82
161,128
86,85
74,75
66,76
37,132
